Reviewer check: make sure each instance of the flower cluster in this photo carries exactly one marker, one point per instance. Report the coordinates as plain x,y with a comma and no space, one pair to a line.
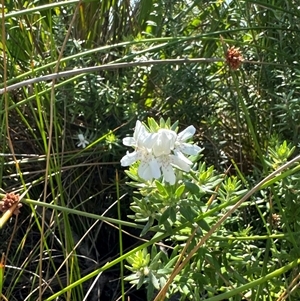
234,58
8,201
159,152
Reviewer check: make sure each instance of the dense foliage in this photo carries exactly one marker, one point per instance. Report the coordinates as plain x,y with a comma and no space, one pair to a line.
83,217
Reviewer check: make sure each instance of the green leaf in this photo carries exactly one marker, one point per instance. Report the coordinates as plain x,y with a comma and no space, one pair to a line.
192,188
147,226
168,123
174,126
163,280
162,123
162,190
155,261
179,191
187,213
150,291
141,281
153,251
167,225
153,125
164,216
172,261
154,280
132,277
164,271
132,175
204,225
172,214
185,289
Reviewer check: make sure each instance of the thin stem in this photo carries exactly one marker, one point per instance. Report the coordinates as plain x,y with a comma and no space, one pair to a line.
114,66
69,73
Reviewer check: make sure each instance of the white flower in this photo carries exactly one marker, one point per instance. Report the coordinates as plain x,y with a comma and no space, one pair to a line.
159,152
82,141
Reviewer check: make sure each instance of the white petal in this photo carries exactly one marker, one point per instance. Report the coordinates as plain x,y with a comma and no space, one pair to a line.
129,141
129,158
137,128
149,140
140,131
189,149
144,171
169,174
149,168
187,133
155,168
182,162
80,137
164,142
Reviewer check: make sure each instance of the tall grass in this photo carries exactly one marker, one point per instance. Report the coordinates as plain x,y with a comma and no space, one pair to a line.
72,237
